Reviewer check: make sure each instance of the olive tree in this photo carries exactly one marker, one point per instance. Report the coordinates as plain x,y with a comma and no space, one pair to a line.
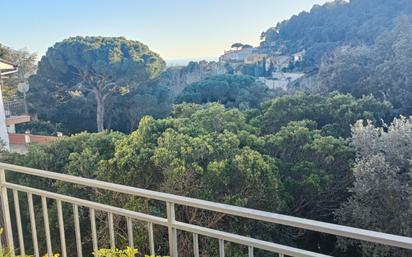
381,194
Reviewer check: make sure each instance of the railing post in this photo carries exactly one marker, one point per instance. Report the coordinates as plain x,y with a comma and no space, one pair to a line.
33,225
6,213
130,231
151,238
18,221
195,245
61,228
77,230
250,251
111,230
93,228
170,207
46,226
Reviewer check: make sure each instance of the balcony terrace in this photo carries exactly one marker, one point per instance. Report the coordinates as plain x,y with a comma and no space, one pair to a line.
15,230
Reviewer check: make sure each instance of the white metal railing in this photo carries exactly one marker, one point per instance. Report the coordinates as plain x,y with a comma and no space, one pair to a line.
170,222
15,107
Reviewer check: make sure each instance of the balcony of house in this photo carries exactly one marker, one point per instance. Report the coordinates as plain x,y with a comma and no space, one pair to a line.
37,219
16,113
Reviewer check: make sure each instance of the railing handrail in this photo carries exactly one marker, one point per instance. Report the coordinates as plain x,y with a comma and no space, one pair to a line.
329,228
15,106
234,238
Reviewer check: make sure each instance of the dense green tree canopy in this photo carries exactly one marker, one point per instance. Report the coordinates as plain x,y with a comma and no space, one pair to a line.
99,67
217,154
238,91
333,113
383,69
213,153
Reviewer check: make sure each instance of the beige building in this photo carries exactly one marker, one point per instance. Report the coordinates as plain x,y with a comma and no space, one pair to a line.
254,58
236,55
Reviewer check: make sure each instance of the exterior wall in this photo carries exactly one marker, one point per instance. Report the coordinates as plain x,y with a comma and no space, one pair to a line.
280,80
254,58
298,57
236,55
8,67
20,142
3,128
4,65
274,84
290,76
278,62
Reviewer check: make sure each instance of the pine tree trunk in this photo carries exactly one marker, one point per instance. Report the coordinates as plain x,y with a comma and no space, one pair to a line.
99,112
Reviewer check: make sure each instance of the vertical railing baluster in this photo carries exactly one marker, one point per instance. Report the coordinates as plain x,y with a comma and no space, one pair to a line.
130,231
77,230
46,226
6,213
33,225
195,245
250,251
18,222
221,248
151,238
61,228
170,207
93,228
111,230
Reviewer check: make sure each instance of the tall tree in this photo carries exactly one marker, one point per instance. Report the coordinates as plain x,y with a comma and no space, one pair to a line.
101,66
237,46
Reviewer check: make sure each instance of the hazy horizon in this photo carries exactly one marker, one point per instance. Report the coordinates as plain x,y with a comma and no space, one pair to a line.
176,30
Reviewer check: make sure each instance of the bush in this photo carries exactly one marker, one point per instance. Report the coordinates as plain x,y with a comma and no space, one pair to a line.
127,252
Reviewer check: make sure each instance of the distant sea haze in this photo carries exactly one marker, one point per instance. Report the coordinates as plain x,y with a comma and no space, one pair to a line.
185,61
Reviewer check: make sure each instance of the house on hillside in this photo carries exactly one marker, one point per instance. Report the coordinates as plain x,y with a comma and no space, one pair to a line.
278,63
236,55
254,58
281,80
298,57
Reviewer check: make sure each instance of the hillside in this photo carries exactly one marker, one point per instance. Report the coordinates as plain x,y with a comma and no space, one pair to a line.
333,24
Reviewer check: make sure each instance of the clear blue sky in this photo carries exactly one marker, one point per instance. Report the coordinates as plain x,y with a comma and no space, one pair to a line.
173,28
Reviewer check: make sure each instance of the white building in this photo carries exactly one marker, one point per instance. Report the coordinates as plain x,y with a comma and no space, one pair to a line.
281,80
6,68
298,57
